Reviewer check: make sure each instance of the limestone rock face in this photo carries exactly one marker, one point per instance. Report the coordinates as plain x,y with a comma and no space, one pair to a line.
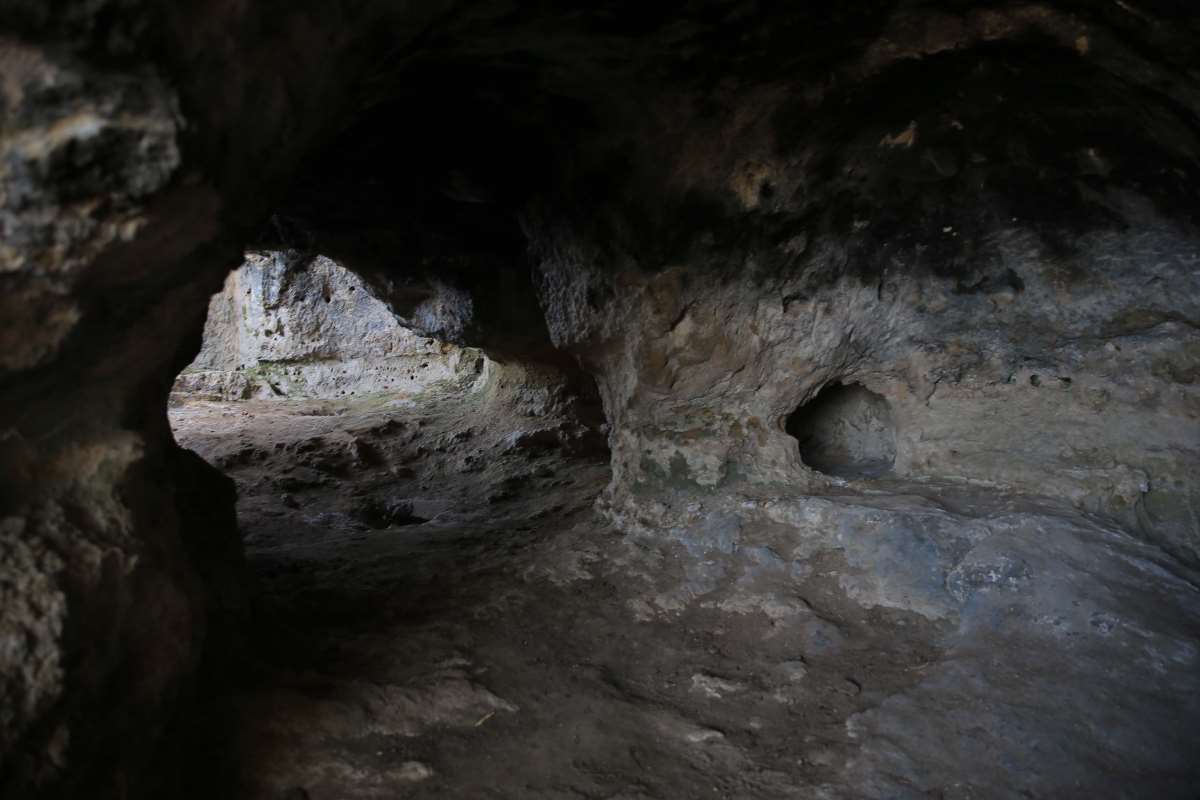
1016,376
1023,297
83,152
311,329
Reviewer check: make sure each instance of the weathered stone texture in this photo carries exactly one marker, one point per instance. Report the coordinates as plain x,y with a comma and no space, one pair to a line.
290,326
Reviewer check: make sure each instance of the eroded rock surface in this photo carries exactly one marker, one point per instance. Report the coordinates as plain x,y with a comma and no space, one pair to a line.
287,326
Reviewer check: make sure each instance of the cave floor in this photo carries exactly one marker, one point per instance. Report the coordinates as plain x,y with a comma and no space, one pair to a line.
439,611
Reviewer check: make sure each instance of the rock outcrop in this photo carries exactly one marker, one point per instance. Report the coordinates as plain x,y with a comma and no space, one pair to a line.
307,328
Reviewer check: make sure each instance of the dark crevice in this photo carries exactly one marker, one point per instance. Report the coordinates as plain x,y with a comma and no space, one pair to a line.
846,431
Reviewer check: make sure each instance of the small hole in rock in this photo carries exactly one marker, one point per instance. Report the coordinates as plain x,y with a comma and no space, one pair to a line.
846,430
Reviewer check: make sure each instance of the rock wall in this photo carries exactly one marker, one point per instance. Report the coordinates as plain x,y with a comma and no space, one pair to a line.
1069,388
118,553
1010,264
297,327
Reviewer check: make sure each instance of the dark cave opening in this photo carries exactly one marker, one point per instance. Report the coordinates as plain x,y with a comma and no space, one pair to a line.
846,430
386,484
329,413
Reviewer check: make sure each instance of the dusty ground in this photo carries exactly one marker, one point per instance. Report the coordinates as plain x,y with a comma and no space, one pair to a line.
440,612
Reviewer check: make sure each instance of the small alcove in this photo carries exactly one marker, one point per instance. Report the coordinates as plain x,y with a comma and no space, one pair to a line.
846,430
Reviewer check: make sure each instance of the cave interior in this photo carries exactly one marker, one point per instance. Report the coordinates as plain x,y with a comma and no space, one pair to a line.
726,398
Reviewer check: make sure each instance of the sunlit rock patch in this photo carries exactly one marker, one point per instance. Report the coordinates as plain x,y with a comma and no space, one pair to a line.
304,327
